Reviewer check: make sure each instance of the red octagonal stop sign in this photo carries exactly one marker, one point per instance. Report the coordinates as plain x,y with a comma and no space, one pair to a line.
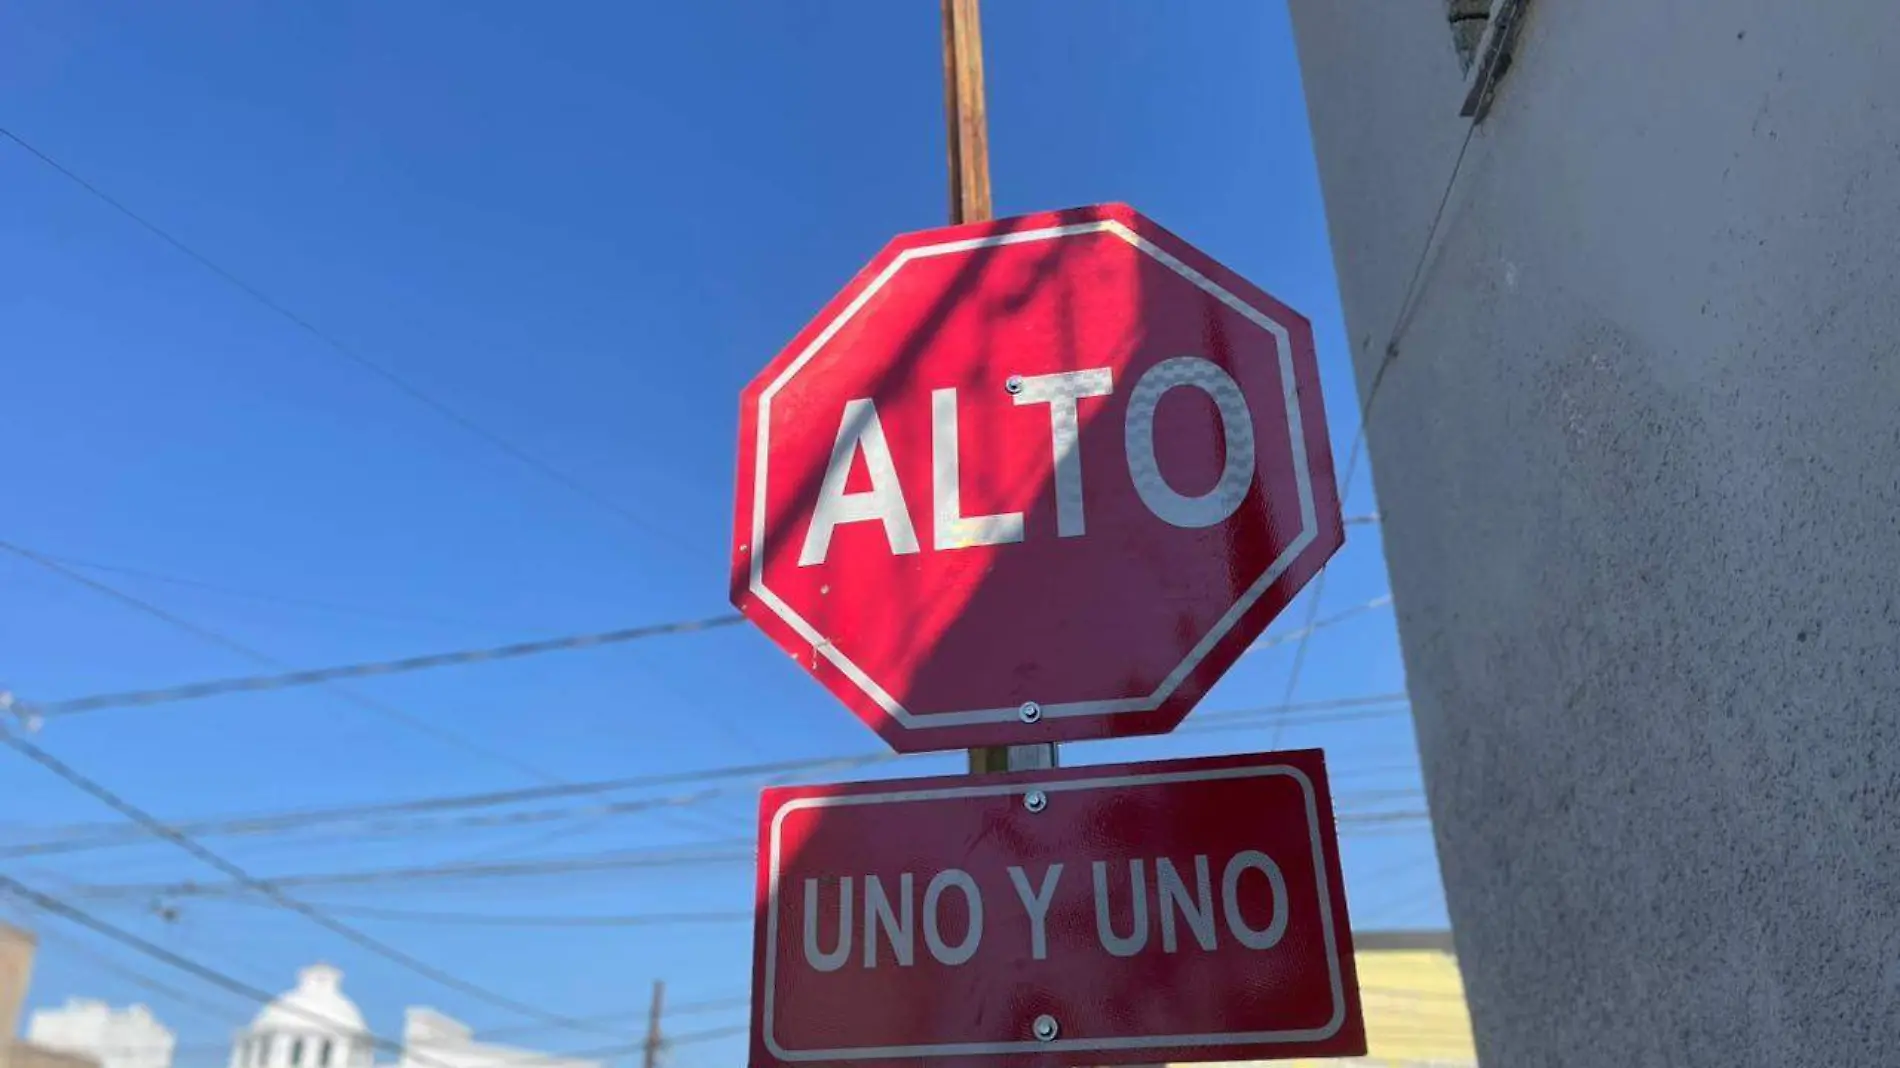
1033,480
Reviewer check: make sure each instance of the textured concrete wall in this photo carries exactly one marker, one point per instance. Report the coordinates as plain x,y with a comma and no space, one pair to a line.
1639,461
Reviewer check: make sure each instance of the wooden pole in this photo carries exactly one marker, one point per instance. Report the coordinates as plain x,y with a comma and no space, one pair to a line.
966,119
653,1042
967,122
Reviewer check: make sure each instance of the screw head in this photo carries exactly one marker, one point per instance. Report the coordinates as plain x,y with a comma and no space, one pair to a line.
1030,712
1046,1028
1013,384
1035,800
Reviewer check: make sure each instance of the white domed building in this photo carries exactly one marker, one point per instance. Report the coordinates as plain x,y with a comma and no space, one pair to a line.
317,1026
313,1026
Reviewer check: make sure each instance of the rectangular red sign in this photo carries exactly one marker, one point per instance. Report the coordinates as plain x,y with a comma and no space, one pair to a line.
1169,911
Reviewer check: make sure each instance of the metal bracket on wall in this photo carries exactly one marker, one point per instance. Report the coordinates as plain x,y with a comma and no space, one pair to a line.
1492,58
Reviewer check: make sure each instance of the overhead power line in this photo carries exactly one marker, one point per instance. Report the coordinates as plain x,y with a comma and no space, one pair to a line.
694,1008
50,904
28,712
577,818
88,840
271,597
53,905
489,919
689,1008
84,837
602,1053
454,802
181,998
403,665
1279,723
735,851
686,1009
1310,625
732,852
397,382
1400,323
1395,699
403,959
449,738
427,662
1288,637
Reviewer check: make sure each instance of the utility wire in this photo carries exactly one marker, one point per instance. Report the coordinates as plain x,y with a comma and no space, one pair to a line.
1281,722
400,384
686,1009
256,656
516,453
580,819
693,1008
689,1008
221,1013
482,1034
600,1053
736,851
152,823
322,676
269,822
84,837
515,650
1386,358
577,820
1309,626
270,597
415,723
383,818
284,678
1289,637
49,903
485,919
184,999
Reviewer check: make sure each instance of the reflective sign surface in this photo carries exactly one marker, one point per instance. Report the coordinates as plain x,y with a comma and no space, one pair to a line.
1131,914
1037,479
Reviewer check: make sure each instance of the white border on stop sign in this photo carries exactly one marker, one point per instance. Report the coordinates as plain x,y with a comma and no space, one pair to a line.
1078,1045
1309,521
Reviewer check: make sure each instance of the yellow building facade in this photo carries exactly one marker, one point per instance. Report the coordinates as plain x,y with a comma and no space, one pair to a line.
1414,1003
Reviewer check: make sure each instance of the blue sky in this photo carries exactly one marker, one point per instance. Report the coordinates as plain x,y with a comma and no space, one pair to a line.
583,227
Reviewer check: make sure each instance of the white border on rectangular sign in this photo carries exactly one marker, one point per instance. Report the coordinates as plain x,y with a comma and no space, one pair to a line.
1063,1045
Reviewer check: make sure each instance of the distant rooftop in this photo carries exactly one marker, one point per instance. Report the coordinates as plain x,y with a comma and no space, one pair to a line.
1402,940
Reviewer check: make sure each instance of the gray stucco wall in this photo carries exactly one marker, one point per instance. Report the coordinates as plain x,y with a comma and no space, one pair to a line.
1639,461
